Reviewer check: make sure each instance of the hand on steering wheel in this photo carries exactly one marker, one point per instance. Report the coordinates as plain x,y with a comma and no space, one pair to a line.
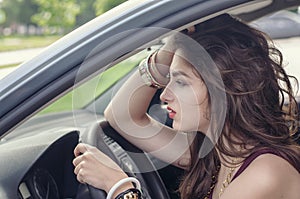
97,169
151,182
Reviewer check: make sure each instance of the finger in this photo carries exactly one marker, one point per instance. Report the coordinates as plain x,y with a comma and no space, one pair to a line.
164,57
80,176
77,160
78,168
80,149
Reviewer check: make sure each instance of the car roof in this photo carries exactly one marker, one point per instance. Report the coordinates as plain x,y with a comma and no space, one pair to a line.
96,44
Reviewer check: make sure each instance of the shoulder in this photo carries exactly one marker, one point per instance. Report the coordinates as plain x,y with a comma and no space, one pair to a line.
272,169
268,176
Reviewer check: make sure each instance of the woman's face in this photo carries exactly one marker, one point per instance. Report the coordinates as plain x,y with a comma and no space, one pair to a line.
186,97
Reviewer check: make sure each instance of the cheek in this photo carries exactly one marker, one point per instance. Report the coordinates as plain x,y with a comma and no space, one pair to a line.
192,117
187,96
202,94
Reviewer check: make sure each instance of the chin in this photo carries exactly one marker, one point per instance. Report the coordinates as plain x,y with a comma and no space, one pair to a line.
179,127
176,127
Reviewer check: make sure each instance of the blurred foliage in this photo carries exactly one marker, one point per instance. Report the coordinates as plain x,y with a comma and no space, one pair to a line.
87,12
18,11
56,13
102,6
2,16
59,14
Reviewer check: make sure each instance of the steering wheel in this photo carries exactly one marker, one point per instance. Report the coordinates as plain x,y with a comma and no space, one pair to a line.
152,185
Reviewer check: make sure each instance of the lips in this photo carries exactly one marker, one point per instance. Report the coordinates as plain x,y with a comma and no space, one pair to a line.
171,112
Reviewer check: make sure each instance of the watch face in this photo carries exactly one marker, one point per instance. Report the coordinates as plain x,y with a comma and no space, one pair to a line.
130,194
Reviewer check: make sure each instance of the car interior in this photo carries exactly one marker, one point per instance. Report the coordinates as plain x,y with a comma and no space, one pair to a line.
48,169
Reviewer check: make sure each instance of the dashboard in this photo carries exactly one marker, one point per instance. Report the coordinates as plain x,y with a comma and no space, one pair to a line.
38,159
51,176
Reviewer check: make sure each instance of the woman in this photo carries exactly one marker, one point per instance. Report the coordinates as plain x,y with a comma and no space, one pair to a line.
233,114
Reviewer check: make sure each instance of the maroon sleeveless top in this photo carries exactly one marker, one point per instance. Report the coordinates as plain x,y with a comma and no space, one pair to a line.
249,160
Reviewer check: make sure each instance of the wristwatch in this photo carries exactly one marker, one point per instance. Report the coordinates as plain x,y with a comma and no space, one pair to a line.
130,194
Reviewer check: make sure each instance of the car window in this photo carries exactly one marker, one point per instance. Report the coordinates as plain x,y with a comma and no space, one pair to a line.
89,98
88,92
284,28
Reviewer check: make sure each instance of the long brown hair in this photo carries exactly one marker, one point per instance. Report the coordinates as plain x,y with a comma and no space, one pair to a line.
261,108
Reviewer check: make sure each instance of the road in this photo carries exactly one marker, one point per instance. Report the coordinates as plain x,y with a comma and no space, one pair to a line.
16,57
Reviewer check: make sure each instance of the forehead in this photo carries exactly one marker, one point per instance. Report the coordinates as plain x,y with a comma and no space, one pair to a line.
180,63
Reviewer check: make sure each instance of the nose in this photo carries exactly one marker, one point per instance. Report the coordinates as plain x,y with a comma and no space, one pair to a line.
166,95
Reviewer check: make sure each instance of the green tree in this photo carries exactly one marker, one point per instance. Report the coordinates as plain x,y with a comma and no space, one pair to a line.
87,12
2,16
60,14
18,11
11,9
102,6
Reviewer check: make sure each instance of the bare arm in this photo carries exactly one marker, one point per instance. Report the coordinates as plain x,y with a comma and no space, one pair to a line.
127,114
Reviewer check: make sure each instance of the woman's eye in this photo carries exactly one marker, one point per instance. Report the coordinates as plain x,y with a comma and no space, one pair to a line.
181,82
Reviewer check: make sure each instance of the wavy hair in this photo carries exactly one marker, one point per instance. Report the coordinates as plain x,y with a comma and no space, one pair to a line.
261,108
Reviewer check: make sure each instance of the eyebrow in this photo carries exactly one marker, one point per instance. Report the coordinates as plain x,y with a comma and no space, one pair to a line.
178,73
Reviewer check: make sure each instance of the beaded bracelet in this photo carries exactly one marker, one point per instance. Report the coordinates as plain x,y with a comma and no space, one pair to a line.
120,183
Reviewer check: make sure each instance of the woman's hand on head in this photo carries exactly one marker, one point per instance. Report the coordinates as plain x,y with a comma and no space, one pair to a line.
165,54
95,168
164,57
